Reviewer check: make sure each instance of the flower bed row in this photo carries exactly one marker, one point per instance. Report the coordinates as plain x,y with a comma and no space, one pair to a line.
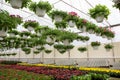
111,72
12,74
58,74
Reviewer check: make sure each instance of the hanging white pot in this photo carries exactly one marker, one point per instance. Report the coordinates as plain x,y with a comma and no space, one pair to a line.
11,40
66,42
25,36
1,38
38,33
40,12
30,28
71,23
12,35
57,18
109,38
60,28
91,31
103,36
98,34
49,39
16,3
99,19
3,33
108,50
95,47
83,29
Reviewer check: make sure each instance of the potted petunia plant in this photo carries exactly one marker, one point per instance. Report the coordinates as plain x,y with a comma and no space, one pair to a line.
82,49
19,3
67,37
40,8
95,45
108,47
57,15
82,24
91,28
108,34
30,25
48,51
72,18
25,34
60,47
13,33
7,22
99,12
61,25
98,31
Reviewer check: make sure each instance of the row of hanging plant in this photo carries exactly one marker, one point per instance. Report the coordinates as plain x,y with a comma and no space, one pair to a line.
12,54
95,46
61,22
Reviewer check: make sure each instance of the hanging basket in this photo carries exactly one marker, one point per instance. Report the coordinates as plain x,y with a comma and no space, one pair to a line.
90,31
16,3
49,39
3,33
71,23
1,38
98,34
103,36
108,50
57,18
116,1
109,38
60,28
83,29
30,28
66,42
99,19
40,12
25,36
95,47
12,35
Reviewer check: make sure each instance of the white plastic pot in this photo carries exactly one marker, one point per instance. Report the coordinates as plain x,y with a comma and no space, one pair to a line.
57,18
98,34
90,31
30,28
109,38
3,33
60,28
66,42
99,19
71,23
25,37
108,50
83,29
40,12
49,39
1,38
16,3
95,47
103,36
12,35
